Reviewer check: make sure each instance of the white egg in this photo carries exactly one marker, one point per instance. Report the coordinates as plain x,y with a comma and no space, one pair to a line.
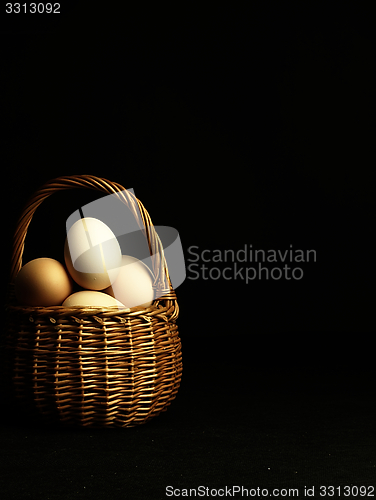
91,298
92,254
134,285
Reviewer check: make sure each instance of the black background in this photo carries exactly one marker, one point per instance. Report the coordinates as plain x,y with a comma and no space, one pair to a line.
236,127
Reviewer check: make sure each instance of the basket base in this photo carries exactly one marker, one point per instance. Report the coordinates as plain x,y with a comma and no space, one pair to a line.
20,411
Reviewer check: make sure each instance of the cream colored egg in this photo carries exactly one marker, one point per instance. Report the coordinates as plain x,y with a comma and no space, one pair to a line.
91,298
43,282
134,285
92,254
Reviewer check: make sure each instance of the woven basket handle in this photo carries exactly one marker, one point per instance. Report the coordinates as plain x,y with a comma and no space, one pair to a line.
162,281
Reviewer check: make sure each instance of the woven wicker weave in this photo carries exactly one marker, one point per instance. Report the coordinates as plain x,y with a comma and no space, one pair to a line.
90,366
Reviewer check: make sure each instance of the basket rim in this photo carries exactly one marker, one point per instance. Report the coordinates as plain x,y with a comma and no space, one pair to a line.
168,311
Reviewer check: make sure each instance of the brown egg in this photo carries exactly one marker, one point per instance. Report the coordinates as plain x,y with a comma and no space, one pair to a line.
43,282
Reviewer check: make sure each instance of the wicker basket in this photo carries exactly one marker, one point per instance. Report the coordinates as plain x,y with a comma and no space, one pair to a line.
90,366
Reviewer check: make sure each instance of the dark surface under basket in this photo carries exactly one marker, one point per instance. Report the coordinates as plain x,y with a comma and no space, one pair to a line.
236,421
